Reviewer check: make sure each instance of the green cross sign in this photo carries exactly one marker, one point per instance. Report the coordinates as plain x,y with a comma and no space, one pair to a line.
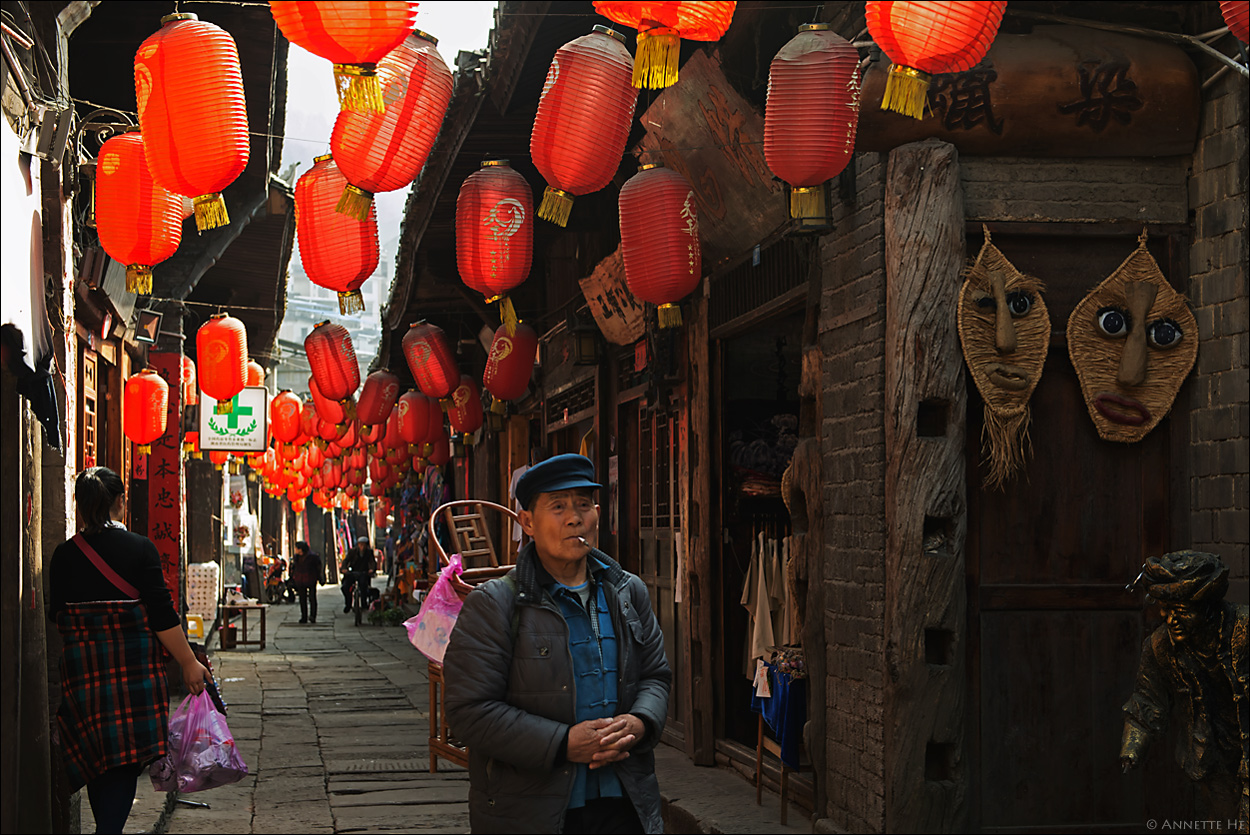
239,411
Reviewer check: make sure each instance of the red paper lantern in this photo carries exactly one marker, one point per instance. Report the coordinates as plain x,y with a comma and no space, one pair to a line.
145,404
189,89
812,114
465,412
332,359
440,447
661,26
660,239
926,38
140,223
221,348
190,391
418,415
494,232
255,374
191,443
1237,17
354,35
327,410
371,434
510,363
386,151
583,119
338,252
332,473
377,398
430,359
284,416
308,421
219,458
298,505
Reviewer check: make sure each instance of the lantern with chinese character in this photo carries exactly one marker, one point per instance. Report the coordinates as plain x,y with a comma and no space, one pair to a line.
307,421
430,359
1237,17
811,115
338,252
140,223
510,362
189,90
386,151
221,348
465,412
332,359
494,233
926,38
284,416
377,398
660,239
661,26
145,403
583,119
417,415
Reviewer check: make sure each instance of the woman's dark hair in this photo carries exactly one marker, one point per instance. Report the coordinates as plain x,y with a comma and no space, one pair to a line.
95,490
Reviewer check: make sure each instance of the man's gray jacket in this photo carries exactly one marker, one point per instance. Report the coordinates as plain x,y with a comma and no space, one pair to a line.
512,702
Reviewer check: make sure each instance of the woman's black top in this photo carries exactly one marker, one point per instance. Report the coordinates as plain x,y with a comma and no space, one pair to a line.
134,557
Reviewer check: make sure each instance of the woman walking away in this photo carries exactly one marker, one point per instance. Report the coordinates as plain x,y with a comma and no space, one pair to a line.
112,606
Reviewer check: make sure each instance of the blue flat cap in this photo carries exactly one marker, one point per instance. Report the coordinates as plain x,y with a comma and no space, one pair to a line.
559,472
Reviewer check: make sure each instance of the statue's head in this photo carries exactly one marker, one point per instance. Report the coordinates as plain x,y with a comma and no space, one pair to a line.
1189,586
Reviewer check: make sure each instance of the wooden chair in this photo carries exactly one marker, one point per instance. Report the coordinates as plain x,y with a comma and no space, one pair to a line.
471,539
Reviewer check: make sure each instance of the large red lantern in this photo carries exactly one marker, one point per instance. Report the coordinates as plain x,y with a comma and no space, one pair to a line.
1237,17
377,398
417,416
430,359
190,391
354,35
284,416
145,404
583,119
189,89
338,252
812,113
660,239
386,151
465,412
510,363
332,359
661,26
140,223
221,348
495,233
926,38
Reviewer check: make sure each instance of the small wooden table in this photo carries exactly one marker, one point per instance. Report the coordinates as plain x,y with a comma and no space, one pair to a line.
243,609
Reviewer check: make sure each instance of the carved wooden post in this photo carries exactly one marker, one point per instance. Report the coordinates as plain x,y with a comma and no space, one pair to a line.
699,588
925,761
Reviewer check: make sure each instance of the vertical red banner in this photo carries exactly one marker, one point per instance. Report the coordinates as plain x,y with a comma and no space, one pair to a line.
165,487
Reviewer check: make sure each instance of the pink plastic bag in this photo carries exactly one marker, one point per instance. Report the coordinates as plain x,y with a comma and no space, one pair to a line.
431,629
202,754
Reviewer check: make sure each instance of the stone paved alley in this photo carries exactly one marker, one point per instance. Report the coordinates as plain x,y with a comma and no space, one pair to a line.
332,720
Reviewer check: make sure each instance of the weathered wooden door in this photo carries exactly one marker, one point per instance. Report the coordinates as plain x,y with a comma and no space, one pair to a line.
1054,637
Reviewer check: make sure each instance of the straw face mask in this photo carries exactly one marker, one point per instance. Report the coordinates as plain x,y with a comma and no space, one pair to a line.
1004,329
1132,340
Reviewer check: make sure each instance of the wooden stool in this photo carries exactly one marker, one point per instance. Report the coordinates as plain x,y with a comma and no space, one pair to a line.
765,743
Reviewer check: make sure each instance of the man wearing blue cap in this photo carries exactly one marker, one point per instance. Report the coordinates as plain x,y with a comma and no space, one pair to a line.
556,676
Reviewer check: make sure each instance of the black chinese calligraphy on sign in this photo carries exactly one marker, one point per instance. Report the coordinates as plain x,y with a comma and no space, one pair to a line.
962,100
1107,93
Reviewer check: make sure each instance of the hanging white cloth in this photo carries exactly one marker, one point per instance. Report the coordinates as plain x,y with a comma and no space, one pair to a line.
762,635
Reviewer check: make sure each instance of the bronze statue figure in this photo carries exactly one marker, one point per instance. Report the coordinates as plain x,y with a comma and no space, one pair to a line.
1196,661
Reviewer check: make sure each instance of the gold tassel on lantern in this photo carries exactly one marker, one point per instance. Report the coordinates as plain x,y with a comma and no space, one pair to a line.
669,315
351,302
507,315
358,87
143,449
139,280
355,202
807,202
556,206
224,407
906,91
210,211
655,65
499,407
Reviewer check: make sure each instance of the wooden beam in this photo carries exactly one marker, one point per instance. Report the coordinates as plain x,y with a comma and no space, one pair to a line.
700,588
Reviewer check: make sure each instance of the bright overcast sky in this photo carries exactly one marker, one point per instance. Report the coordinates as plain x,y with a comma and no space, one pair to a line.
311,103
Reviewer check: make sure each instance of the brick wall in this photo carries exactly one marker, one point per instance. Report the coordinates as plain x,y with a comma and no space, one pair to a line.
853,449
1219,416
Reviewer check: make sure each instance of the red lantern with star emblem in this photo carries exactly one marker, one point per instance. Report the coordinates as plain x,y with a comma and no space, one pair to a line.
494,233
430,359
923,39
661,26
221,348
139,222
192,111
660,239
386,151
338,252
583,119
145,403
510,363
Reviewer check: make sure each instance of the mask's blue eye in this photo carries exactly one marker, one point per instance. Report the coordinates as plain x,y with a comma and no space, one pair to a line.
1163,333
1019,304
1113,321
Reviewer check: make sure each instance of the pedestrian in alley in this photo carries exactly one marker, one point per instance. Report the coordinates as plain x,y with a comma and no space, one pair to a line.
111,605
556,675
358,567
305,571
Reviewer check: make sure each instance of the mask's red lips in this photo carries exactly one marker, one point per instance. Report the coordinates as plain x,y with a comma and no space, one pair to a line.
1120,409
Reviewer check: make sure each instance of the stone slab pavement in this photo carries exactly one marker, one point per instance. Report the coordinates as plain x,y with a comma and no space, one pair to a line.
332,720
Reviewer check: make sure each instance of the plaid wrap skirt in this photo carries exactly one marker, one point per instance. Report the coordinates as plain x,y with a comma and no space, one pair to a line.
114,694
